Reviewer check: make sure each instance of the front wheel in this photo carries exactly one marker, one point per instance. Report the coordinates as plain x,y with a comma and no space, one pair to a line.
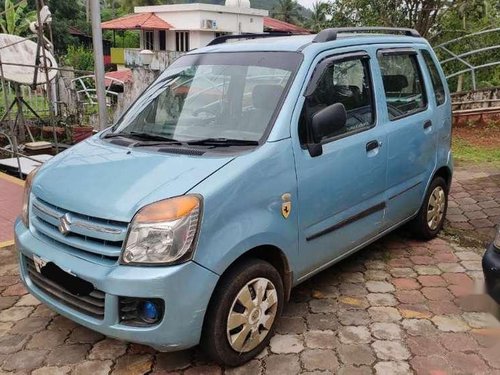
430,218
243,312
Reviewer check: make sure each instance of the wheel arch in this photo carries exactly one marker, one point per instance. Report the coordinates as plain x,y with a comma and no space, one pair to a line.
269,253
445,173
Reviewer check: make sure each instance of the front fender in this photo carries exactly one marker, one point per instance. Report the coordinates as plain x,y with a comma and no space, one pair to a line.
242,207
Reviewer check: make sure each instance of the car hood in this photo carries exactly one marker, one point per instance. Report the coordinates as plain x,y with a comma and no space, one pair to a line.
107,181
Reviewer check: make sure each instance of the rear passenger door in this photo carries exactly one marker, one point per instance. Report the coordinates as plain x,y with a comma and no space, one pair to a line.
411,136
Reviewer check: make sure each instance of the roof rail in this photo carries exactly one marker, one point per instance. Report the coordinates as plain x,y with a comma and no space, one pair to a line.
329,35
224,38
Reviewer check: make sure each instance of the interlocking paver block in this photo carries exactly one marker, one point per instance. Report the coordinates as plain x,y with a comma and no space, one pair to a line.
406,283
93,367
356,354
354,335
133,364
319,359
390,350
418,327
450,323
433,364
480,320
282,364
381,299
284,344
393,368
386,331
384,314
321,339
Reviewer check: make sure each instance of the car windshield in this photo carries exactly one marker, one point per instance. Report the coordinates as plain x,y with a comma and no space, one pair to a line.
219,96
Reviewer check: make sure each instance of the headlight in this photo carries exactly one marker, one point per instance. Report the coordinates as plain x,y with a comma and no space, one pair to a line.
26,197
496,241
163,232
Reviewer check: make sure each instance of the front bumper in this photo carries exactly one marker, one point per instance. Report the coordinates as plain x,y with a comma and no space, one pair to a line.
186,290
491,269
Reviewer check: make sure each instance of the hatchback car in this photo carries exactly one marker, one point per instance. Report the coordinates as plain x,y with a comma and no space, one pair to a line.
243,170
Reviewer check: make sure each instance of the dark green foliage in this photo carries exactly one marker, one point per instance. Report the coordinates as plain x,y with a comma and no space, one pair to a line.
64,14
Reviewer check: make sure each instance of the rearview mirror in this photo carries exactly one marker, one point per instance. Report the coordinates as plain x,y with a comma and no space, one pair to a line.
328,121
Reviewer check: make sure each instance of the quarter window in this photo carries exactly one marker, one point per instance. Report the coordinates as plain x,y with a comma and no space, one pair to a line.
403,84
437,82
346,82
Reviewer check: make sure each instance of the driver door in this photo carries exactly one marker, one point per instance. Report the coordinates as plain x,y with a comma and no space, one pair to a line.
341,191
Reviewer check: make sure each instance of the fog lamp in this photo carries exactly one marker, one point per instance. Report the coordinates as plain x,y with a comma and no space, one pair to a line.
149,311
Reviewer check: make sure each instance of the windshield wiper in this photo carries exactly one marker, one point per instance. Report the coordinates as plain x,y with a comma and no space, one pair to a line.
152,137
147,140
223,142
114,135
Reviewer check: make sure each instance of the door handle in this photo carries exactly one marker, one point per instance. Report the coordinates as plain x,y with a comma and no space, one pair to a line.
372,145
427,124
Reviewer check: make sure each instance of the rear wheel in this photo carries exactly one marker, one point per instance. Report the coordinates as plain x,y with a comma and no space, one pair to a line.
243,312
430,218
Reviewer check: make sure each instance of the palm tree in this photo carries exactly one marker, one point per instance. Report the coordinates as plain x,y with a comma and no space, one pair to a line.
286,10
318,18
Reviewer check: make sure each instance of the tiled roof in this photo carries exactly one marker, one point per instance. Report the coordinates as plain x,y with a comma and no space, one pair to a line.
272,24
124,75
139,21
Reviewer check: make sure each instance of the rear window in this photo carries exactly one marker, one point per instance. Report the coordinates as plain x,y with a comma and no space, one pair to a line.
403,84
437,82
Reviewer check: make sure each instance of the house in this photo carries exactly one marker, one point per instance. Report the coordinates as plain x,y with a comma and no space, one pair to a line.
170,30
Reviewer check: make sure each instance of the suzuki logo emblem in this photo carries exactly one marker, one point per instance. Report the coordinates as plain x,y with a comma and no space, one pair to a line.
65,224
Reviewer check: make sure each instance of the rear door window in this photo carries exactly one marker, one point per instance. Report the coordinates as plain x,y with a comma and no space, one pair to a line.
437,82
403,84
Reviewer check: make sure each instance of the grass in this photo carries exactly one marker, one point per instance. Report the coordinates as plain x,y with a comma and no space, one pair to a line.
467,152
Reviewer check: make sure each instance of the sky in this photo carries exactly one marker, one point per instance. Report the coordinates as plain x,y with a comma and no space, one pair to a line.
307,3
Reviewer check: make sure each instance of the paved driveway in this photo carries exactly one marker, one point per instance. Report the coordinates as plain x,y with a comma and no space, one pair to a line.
397,307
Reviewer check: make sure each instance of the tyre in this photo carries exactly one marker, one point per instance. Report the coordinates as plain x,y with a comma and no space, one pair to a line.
243,312
430,218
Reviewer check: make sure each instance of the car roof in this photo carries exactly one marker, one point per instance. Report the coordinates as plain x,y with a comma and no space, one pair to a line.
302,42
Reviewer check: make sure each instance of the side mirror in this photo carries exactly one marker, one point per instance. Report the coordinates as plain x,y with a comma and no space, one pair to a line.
328,121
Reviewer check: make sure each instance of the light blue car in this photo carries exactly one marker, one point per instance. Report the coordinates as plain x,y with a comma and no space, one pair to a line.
243,170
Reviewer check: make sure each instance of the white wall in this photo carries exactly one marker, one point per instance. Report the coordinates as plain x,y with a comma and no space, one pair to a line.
189,17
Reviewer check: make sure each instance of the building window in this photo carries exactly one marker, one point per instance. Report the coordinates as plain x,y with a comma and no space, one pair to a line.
149,40
163,40
182,41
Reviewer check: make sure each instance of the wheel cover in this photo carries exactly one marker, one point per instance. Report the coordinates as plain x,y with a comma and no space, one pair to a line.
435,208
252,315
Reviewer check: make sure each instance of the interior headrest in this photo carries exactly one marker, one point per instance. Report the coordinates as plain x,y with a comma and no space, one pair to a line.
395,83
266,96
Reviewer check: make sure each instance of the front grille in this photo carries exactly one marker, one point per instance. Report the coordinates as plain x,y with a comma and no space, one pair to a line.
92,305
80,232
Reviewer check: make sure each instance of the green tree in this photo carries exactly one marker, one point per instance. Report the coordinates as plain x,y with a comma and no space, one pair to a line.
286,10
16,17
318,19
421,15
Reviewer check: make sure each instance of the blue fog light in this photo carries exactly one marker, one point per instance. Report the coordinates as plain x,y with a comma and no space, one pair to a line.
149,311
